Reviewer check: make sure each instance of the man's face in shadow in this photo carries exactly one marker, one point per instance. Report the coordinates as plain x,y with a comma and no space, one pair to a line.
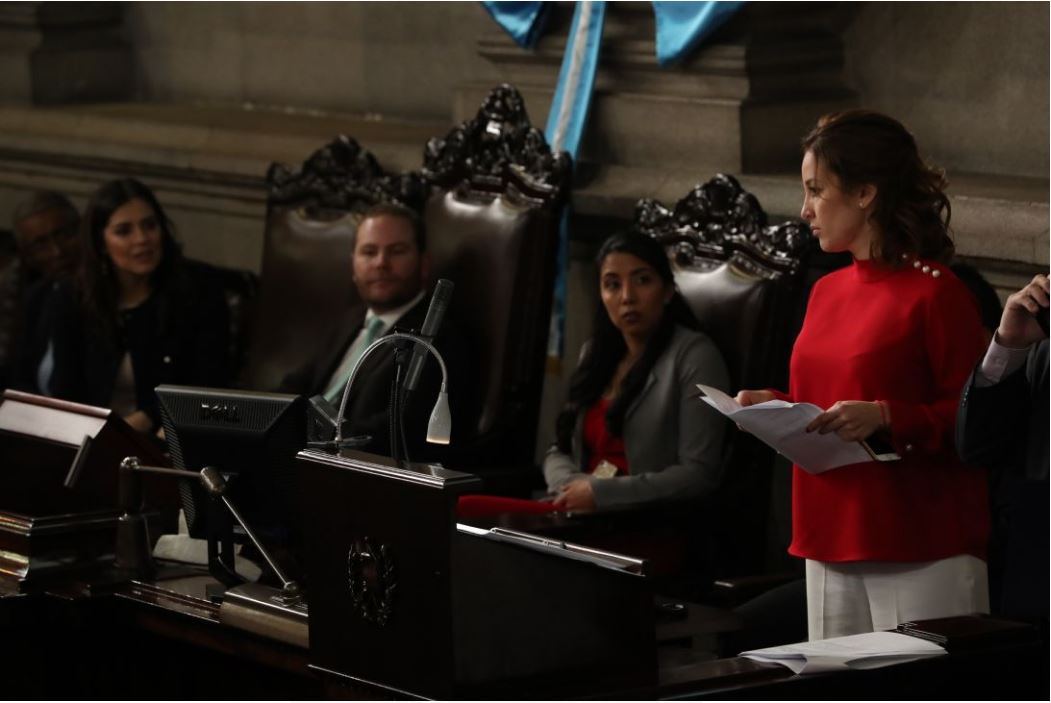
48,243
389,268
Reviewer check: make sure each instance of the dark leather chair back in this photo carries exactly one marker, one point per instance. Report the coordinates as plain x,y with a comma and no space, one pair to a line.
304,284
490,193
484,248
744,280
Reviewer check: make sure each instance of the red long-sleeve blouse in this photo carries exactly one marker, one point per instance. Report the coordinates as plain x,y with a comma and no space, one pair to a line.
909,337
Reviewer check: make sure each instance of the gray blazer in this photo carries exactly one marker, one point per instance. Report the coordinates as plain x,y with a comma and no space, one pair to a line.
672,439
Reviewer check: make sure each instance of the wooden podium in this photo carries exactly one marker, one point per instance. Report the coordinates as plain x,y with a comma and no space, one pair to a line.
46,529
404,598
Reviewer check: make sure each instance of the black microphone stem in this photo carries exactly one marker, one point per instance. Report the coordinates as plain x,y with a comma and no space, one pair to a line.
443,292
285,581
215,484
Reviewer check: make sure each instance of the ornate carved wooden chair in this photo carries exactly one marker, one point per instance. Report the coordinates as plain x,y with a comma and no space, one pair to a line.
745,281
490,192
492,218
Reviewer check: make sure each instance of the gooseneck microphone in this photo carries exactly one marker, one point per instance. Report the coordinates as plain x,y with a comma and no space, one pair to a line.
443,293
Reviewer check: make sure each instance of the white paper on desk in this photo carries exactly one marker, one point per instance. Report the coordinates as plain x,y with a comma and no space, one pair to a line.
782,425
871,650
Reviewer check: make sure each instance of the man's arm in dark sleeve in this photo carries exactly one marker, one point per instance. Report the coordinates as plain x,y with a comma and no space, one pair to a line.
298,380
991,423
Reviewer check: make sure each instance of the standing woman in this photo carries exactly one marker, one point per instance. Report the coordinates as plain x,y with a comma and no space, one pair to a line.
139,315
634,430
886,347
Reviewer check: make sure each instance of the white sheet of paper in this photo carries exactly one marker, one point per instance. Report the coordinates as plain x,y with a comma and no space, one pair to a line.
870,650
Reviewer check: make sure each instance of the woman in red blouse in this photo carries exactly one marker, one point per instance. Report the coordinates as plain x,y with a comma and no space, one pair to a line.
886,347
633,430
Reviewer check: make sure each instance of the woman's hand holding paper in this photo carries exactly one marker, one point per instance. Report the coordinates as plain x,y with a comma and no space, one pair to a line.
852,420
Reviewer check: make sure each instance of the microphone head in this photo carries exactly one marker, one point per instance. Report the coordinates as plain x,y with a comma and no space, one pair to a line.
443,290
443,294
439,429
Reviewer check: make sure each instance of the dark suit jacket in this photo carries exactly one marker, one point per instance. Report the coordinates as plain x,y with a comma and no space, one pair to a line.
368,406
1004,428
179,335
34,333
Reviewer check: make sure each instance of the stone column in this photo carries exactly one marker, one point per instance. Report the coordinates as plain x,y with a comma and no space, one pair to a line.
63,52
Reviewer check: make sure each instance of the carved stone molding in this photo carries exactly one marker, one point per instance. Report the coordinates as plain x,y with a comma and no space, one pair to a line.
496,148
719,220
342,176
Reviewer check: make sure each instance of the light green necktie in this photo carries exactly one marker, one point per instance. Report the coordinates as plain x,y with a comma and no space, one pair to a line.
372,332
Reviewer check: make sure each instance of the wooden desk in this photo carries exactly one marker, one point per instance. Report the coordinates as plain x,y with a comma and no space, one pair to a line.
90,635
164,640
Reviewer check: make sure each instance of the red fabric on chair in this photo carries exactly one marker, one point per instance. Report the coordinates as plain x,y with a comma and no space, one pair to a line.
482,506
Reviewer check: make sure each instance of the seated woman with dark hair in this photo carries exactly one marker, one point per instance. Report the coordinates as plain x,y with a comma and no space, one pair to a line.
139,314
634,430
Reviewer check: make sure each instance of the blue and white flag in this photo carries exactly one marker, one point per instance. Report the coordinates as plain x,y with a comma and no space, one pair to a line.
565,128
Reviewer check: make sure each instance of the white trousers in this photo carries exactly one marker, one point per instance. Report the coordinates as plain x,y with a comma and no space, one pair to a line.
848,598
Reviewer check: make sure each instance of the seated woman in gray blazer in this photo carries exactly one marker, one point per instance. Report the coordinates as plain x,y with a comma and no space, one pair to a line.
634,430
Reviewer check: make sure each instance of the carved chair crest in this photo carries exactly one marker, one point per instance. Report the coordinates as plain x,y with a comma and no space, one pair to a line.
342,176
498,151
720,221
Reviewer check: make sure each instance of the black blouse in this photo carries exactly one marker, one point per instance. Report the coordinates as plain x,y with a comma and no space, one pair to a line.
178,335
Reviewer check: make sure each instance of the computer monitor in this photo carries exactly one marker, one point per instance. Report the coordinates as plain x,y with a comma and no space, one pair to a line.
252,438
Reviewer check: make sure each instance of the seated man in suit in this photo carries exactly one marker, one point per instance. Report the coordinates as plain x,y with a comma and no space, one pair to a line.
45,227
390,269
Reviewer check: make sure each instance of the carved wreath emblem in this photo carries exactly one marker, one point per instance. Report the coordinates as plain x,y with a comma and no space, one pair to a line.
371,579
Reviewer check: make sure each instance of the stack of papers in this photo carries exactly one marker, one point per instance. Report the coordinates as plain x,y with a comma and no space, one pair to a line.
871,650
782,425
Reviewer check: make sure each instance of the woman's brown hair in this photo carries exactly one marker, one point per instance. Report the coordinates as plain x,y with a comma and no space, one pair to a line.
97,282
910,207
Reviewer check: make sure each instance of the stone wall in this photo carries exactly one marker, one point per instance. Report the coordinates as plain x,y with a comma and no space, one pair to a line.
969,78
383,58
